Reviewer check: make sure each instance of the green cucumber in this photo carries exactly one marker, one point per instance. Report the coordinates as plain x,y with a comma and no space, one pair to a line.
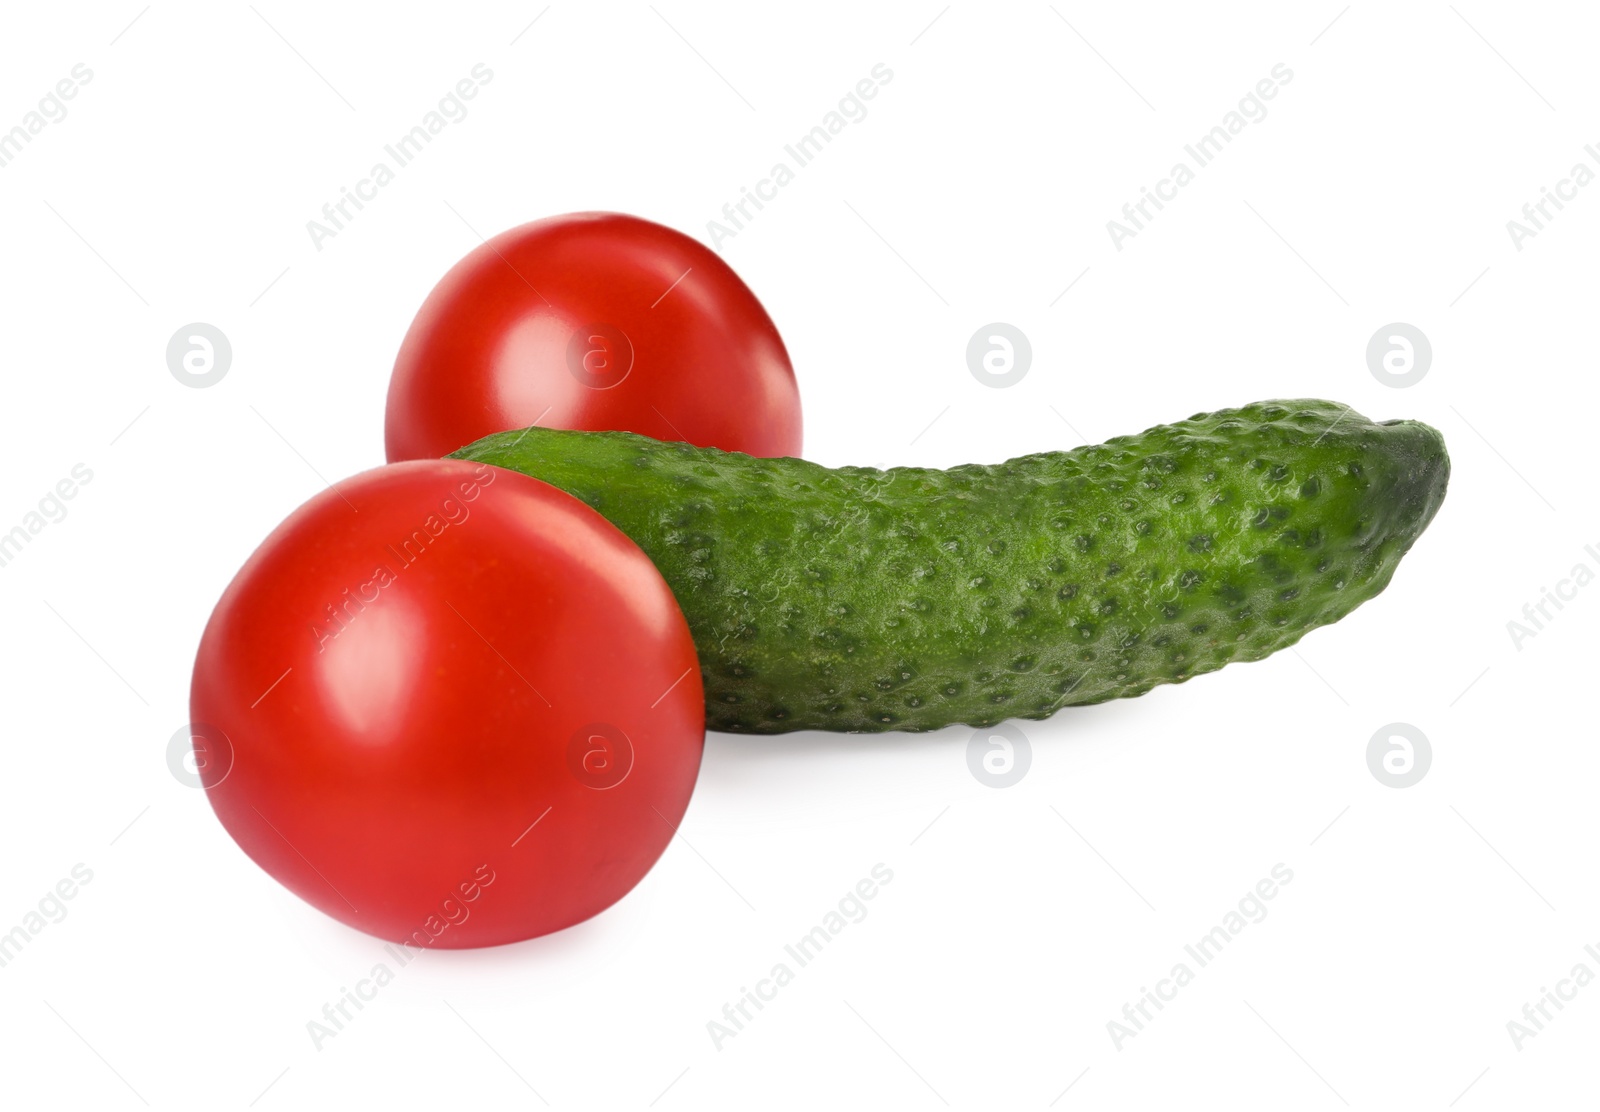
909,599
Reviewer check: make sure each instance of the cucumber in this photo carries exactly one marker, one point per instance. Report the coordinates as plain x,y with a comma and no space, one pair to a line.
910,599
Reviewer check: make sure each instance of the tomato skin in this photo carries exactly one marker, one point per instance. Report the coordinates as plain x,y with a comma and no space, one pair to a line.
421,768
508,339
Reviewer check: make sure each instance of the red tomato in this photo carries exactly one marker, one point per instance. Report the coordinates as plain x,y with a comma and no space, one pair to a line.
593,321
450,705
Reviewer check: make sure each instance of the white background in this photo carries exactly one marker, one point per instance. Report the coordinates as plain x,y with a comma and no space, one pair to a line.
1377,189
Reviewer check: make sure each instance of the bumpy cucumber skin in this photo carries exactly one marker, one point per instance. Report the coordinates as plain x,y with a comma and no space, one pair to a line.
910,599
